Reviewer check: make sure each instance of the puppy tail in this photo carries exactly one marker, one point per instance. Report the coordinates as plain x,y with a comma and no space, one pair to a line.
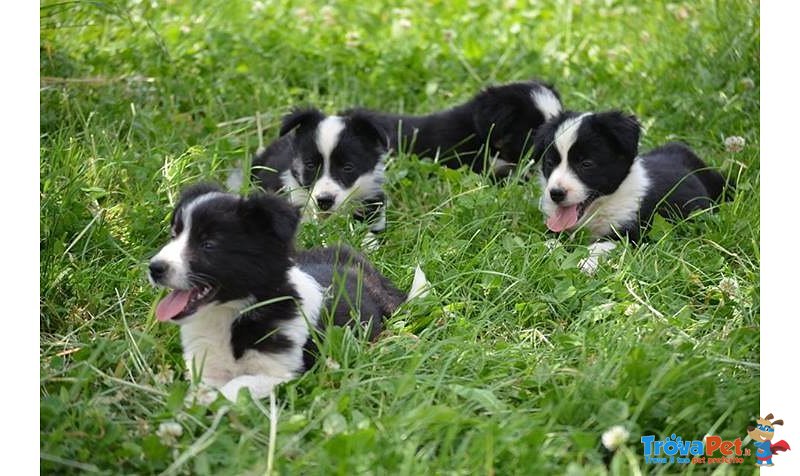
420,287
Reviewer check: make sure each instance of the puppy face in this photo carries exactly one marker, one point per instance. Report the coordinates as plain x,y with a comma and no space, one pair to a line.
509,115
337,158
584,157
222,248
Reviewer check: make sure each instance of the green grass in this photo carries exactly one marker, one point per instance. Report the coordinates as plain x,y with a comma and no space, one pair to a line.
517,362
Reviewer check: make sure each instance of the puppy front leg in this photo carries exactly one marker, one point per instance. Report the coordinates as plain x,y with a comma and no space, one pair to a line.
596,251
259,385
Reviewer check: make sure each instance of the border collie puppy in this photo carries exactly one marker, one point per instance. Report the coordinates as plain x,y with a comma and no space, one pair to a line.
324,161
247,303
592,176
495,127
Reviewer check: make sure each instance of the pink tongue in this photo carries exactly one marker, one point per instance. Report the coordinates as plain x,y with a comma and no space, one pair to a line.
172,305
565,217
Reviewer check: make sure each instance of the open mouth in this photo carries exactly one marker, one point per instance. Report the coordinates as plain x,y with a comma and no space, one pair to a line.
180,303
567,217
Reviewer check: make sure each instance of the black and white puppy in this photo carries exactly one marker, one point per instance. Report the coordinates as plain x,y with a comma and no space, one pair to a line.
247,303
593,177
323,162
492,130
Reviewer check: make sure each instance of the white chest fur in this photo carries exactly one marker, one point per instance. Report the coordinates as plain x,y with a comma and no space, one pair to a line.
206,338
621,207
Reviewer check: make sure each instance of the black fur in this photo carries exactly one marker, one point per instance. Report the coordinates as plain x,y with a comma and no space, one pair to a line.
503,118
243,246
603,154
360,148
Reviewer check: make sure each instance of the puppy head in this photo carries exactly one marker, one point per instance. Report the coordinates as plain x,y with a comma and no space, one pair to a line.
507,116
336,157
584,157
222,248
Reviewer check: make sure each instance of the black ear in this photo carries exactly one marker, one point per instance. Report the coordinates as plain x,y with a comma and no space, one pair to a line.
269,212
622,129
304,119
364,128
545,135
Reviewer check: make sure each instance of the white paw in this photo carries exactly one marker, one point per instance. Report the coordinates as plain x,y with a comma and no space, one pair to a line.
596,251
371,242
589,265
260,386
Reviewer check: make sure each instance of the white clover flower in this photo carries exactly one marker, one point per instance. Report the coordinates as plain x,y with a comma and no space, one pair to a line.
404,23
169,432
258,7
328,14
614,437
332,364
632,309
202,394
401,12
448,35
302,14
186,29
515,28
551,244
165,375
352,39
734,144
206,395
729,287
747,83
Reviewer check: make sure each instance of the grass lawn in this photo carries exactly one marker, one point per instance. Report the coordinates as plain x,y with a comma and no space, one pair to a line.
518,362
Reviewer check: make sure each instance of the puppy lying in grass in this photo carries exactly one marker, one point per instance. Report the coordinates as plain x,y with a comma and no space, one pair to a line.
593,177
247,303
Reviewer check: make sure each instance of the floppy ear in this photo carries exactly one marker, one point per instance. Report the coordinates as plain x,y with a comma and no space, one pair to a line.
768,417
622,129
268,212
544,137
367,130
777,422
304,119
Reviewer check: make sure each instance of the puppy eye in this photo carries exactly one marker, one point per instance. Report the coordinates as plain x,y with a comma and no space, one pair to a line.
348,167
208,245
311,165
587,164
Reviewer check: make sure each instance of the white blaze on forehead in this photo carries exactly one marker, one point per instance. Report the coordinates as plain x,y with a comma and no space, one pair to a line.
546,102
567,134
328,132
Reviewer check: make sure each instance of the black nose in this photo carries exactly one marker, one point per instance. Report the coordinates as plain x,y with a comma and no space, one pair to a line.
325,202
158,269
558,194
